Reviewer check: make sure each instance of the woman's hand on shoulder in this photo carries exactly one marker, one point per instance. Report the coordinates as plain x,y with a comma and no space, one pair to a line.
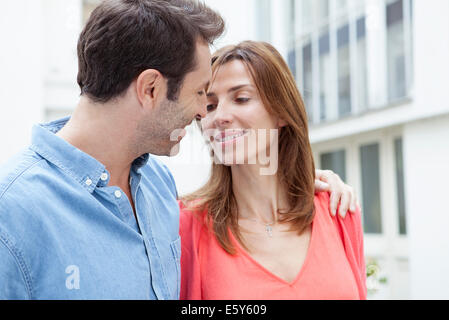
342,196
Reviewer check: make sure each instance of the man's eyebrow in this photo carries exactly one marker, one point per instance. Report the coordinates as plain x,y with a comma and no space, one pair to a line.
212,94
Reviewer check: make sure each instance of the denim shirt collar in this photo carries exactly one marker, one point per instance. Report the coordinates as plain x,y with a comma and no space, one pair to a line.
85,169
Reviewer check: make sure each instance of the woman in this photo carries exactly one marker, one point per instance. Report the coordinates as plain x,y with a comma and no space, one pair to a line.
251,235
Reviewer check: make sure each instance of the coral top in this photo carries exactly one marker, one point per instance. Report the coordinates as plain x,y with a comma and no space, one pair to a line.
334,267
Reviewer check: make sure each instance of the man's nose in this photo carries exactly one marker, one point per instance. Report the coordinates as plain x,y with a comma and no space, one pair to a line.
202,109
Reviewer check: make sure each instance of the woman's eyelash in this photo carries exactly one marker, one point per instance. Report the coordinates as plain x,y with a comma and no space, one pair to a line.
211,107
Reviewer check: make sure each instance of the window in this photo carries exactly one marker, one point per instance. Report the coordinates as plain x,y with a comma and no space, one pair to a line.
396,51
400,185
335,161
370,173
308,79
325,74
362,96
344,71
291,58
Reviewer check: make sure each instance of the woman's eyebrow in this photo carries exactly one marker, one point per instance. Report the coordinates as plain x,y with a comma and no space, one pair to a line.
212,94
238,87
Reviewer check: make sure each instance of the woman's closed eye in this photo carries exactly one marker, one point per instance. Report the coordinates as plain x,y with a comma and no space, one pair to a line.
211,107
242,100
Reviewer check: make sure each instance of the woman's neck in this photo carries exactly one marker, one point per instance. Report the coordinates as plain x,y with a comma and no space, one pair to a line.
259,197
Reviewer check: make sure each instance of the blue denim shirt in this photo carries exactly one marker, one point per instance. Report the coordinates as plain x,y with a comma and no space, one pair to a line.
65,234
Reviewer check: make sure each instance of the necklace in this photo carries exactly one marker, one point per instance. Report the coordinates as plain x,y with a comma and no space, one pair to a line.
268,228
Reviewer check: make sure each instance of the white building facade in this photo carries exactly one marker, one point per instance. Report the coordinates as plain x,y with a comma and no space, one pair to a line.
375,78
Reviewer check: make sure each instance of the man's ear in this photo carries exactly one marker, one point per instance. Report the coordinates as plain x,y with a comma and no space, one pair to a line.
151,86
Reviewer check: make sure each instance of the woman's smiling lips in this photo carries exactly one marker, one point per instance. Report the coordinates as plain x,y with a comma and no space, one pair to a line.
229,136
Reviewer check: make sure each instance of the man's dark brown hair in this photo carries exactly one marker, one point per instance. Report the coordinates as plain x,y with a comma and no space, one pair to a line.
122,38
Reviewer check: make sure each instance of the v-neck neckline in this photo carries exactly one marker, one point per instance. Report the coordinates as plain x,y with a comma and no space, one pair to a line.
270,273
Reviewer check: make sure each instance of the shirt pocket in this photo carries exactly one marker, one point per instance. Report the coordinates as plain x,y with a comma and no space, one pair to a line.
176,253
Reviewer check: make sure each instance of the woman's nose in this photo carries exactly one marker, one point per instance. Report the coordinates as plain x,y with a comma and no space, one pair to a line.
222,115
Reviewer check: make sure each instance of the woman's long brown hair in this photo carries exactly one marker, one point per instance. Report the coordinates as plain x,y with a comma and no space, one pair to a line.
296,171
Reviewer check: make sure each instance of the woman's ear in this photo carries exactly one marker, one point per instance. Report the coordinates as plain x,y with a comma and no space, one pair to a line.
282,123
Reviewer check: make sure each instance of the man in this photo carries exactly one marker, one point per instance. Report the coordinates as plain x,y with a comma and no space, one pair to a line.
85,211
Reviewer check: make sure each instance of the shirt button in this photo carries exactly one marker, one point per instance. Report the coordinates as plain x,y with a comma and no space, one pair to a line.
104,177
88,182
118,194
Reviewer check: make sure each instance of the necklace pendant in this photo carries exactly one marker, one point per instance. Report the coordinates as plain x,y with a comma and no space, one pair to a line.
269,231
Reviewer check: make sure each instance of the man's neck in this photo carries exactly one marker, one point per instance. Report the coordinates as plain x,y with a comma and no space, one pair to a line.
104,133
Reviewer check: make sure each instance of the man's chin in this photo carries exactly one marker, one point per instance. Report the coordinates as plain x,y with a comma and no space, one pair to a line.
174,151
170,150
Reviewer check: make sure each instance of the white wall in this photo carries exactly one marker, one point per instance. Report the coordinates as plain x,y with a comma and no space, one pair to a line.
426,150
239,17
431,65
62,28
38,66
21,65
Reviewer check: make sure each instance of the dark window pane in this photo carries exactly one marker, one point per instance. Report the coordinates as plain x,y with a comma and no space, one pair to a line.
344,72
307,52
324,44
361,65
394,13
400,185
325,73
343,36
335,161
361,28
397,84
308,79
369,157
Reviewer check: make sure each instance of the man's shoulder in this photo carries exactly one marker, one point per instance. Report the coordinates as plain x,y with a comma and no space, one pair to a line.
13,171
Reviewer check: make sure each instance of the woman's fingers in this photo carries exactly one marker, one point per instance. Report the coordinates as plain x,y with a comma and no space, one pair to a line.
342,196
344,203
334,200
354,204
321,186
